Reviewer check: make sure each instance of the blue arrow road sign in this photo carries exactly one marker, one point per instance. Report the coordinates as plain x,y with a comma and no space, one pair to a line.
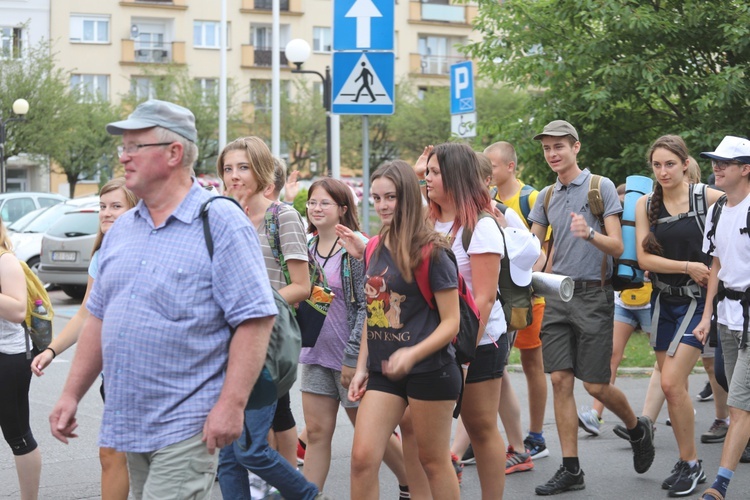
462,88
363,24
363,83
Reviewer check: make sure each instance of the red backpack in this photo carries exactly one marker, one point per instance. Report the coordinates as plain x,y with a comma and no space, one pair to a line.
465,342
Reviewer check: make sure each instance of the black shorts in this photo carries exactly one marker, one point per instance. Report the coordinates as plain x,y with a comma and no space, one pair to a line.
443,384
283,419
489,361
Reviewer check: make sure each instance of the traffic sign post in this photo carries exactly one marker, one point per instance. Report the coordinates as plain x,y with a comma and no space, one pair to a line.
463,104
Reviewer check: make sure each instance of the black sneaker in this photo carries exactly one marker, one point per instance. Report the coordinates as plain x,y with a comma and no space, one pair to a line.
707,394
562,481
468,458
643,449
687,480
622,432
745,458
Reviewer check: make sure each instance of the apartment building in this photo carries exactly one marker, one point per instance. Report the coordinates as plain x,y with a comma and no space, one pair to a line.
23,24
113,48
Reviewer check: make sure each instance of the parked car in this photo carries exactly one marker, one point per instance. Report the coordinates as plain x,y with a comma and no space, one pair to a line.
66,251
13,206
26,235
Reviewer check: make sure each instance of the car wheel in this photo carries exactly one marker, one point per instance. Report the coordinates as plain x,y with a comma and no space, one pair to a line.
33,264
74,291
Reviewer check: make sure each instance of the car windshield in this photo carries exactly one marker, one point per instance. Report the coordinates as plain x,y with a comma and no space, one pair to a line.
46,220
76,224
26,220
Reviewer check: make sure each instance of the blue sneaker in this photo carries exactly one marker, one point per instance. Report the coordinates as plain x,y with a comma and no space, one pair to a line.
588,420
536,448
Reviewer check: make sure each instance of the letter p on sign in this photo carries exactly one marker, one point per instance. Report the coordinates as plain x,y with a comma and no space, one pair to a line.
462,88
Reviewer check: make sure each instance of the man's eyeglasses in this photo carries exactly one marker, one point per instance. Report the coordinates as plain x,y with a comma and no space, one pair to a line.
132,149
721,164
324,205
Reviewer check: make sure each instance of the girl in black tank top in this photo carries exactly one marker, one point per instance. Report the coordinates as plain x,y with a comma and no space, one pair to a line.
671,250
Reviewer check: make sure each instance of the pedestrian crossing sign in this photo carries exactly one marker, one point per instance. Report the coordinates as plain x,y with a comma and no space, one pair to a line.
363,83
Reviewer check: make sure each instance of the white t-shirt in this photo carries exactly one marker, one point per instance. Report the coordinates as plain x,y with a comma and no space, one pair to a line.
486,239
732,249
513,219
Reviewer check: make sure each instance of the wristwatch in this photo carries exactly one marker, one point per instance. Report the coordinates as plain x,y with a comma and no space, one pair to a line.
591,234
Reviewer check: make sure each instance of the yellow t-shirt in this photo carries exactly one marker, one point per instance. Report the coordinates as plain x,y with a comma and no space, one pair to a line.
514,202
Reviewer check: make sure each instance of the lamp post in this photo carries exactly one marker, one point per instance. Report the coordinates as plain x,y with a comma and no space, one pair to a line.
297,52
20,108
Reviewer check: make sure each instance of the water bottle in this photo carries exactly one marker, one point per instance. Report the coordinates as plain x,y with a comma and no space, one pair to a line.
42,328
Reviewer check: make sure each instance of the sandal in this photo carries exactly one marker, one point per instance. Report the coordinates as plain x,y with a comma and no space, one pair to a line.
712,494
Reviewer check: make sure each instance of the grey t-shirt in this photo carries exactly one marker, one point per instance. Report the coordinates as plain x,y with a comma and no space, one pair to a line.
573,256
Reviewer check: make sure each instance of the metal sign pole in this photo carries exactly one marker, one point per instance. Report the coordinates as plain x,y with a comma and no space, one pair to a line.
365,175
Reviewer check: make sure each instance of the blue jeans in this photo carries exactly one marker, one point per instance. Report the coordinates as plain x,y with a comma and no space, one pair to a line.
251,451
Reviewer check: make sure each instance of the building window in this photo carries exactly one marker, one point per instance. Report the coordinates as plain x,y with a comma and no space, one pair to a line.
90,86
208,87
11,42
143,87
206,34
321,39
260,35
89,29
260,95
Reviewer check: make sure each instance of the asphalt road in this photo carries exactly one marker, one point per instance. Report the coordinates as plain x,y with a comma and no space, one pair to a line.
72,471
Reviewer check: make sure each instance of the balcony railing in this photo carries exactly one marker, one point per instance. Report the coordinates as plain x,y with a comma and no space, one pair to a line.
432,65
263,57
268,5
441,13
135,52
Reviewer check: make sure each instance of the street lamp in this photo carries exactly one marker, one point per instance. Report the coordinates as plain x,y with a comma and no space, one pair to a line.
20,108
297,52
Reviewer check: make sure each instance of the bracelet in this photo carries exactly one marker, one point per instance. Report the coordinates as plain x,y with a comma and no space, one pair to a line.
422,183
54,354
686,267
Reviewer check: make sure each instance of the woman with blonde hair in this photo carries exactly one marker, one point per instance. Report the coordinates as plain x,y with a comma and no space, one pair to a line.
114,200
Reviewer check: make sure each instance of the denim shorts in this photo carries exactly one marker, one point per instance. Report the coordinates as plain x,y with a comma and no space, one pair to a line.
634,317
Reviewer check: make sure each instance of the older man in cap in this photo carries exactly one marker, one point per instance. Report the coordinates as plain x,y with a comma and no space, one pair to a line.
162,313
577,336
727,241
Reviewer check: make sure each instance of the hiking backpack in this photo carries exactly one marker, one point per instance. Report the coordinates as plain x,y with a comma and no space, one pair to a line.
41,336
465,341
515,299
697,209
280,368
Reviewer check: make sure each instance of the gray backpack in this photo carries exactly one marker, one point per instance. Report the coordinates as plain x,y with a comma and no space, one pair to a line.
280,369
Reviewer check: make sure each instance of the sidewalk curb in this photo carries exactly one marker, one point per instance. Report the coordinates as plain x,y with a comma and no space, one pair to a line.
634,370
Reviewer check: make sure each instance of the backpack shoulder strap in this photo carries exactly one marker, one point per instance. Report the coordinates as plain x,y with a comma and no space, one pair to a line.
523,201
271,221
467,234
746,229
699,201
548,199
422,276
595,181
372,244
204,218
715,215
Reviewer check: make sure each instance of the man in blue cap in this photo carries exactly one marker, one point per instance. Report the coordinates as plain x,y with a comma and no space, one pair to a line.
161,313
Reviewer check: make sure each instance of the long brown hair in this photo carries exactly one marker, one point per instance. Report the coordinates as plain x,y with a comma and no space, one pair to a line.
674,144
462,183
130,198
409,230
342,196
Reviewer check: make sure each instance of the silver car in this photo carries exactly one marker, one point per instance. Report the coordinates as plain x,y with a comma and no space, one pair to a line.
13,206
66,251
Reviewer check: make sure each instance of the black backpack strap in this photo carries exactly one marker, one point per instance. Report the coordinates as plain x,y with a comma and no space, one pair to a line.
206,227
715,215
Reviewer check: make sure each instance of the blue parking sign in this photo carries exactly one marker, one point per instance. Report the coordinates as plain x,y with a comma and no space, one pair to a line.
462,88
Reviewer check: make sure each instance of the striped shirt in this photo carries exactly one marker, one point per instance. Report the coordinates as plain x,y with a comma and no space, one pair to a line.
166,309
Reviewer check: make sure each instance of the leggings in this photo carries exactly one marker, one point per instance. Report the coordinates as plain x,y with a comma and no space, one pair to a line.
15,377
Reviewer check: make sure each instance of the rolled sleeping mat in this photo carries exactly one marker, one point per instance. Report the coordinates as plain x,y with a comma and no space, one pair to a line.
550,285
627,269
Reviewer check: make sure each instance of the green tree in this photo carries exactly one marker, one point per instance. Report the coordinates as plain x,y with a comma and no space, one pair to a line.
623,72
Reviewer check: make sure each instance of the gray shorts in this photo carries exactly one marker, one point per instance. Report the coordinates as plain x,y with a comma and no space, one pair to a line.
737,367
316,379
577,335
180,470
